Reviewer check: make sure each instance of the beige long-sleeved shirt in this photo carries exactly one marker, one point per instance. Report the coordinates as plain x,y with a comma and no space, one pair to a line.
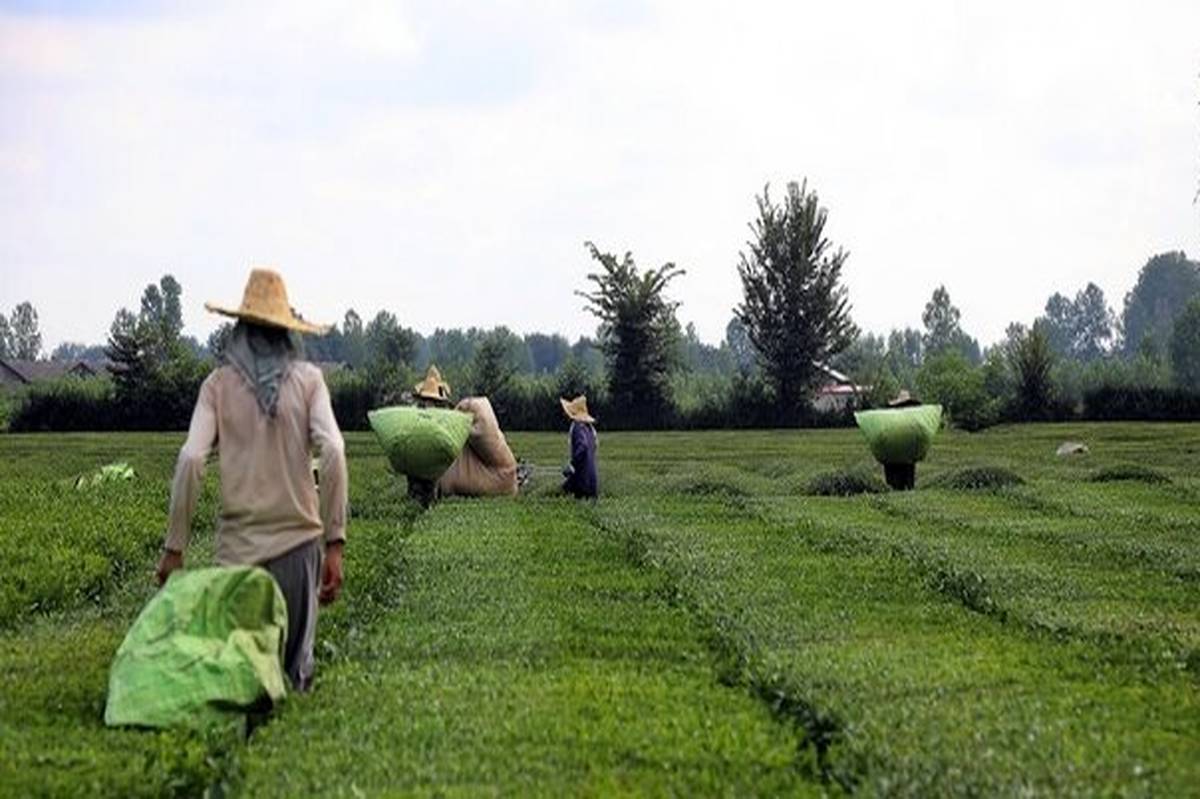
269,502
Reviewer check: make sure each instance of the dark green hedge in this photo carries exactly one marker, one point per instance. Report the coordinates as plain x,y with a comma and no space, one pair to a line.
94,404
1120,404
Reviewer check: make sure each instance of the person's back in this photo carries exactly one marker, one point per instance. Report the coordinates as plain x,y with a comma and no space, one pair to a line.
584,481
269,502
265,410
582,478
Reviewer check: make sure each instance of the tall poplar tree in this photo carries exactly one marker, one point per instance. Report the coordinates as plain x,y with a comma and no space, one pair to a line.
794,308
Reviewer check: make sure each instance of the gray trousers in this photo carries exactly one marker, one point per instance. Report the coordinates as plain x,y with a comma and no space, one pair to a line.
298,574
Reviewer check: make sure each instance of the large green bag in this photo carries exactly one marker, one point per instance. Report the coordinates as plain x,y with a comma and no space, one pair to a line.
421,442
900,435
206,648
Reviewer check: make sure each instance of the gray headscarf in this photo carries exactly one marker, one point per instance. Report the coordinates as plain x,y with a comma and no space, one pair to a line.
262,356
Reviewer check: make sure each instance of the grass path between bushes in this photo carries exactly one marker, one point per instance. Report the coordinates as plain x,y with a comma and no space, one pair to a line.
529,657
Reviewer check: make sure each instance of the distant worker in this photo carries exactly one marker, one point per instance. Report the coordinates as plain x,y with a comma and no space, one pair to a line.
901,476
267,409
582,479
432,392
485,467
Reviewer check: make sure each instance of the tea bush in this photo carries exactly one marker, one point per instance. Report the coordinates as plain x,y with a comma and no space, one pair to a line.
65,547
979,478
846,483
1130,471
902,662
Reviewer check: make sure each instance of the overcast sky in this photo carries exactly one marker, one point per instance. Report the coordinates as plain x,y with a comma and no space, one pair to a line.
447,160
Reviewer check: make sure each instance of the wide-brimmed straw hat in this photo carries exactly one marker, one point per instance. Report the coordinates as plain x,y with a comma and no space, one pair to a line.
265,302
903,400
577,410
433,387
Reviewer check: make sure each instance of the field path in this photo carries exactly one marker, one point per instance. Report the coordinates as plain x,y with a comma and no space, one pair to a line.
528,657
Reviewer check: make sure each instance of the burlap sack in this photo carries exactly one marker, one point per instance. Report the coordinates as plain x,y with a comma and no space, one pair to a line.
486,466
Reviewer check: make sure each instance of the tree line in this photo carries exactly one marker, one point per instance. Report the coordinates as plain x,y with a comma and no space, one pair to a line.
642,368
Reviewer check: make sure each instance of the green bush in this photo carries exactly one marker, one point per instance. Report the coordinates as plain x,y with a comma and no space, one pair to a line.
979,478
1185,347
1031,360
352,396
161,398
67,404
1075,380
1113,403
529,402
65,548
7,406
950,380
846,483
1130,472
712,487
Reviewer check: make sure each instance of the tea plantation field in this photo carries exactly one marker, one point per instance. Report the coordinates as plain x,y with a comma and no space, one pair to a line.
1022,624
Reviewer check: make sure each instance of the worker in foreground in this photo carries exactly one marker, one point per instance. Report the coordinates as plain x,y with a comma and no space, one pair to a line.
582,478
268,410
486,467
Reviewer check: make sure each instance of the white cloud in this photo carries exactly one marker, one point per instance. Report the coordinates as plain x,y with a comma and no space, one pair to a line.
446,161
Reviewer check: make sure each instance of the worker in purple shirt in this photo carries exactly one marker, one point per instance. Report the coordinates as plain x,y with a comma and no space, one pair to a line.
582,479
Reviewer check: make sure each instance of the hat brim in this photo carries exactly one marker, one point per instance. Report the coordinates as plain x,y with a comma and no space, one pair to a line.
288,323
575,416
432,397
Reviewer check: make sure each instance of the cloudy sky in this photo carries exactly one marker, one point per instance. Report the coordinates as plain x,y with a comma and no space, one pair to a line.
447,160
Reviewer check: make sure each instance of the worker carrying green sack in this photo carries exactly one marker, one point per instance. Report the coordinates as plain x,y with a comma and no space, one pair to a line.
899,437
206,648
484,466
269,409
420,441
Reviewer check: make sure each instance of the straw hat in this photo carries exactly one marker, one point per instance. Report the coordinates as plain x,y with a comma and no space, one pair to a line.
903,400
265,302
577,410
432,387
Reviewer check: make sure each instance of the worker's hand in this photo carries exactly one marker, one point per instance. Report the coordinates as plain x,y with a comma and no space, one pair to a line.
331,574
169,562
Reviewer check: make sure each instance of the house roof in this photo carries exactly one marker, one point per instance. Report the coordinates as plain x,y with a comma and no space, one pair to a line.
35,371
834,389
833,374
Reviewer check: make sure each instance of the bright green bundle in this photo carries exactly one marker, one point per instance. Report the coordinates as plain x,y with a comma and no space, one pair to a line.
109,473
204,650
421,442
900,435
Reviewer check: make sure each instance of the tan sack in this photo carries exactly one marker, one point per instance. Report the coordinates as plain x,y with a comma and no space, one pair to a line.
486,466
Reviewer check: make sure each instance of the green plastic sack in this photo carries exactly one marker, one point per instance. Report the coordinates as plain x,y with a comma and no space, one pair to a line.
421,442
109,473
900,435
207,647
